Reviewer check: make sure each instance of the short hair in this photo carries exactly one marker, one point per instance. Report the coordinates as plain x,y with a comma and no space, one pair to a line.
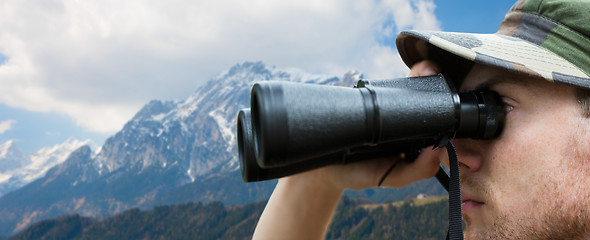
583,99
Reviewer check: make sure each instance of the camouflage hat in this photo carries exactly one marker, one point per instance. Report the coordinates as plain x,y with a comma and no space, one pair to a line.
544,38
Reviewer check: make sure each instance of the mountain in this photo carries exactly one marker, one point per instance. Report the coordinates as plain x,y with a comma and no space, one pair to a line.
195,135
170,152
18,169
11,157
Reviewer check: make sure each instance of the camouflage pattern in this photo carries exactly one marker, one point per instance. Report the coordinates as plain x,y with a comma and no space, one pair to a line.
544,38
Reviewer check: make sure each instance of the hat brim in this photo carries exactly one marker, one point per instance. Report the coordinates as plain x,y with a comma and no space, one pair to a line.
510,53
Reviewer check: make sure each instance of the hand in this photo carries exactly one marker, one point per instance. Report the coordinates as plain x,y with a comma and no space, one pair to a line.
302,205
367,174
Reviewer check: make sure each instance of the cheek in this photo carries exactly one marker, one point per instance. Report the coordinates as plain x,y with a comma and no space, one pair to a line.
520,161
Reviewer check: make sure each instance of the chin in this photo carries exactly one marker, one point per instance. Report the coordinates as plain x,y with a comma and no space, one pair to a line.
473,232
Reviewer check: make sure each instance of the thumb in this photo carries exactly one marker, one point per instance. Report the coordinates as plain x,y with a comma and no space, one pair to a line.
424,68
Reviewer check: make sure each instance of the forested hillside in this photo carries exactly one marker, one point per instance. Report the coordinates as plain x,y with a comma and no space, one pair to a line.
355,219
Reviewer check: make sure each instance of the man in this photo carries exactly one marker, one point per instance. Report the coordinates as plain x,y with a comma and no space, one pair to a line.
531,182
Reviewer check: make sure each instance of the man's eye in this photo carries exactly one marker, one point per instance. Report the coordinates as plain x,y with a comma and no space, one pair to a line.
508,108
508,104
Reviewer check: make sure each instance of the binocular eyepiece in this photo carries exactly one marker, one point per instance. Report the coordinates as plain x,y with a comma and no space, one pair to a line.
295,127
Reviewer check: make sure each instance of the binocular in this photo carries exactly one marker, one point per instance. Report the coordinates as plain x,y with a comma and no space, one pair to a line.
294,127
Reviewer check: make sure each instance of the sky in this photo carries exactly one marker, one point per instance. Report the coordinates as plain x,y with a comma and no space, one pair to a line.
84,68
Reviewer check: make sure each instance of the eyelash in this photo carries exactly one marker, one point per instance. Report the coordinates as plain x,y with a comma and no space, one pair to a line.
507,106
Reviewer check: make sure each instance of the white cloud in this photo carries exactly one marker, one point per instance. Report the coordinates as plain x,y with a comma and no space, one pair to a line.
99,61
413,14
6,125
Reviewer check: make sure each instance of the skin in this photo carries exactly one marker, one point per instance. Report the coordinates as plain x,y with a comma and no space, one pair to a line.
529,183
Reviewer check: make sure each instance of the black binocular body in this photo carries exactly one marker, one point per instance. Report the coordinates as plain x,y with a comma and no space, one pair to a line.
295,127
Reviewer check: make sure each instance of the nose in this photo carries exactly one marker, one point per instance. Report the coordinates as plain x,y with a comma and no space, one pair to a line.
468,153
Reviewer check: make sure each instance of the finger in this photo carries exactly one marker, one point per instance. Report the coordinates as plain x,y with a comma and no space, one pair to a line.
361,174
424,68
425,166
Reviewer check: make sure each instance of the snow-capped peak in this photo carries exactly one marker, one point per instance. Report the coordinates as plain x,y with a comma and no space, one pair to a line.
11,157
199,131
5,146
48,157
38,163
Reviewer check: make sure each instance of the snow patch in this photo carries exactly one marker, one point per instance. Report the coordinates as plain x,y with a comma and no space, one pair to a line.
40,162
4,147
187,108
298,75
224,127
160,131
159,117
4,177
190,175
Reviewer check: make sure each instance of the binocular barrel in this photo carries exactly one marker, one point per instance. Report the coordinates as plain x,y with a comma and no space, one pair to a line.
295,127
252,172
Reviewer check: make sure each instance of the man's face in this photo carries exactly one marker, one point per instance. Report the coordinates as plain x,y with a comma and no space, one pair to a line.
533,181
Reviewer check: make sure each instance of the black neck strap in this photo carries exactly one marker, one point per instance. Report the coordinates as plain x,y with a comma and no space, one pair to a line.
453,186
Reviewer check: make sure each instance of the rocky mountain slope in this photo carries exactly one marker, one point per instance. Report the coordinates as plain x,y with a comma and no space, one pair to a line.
169,152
